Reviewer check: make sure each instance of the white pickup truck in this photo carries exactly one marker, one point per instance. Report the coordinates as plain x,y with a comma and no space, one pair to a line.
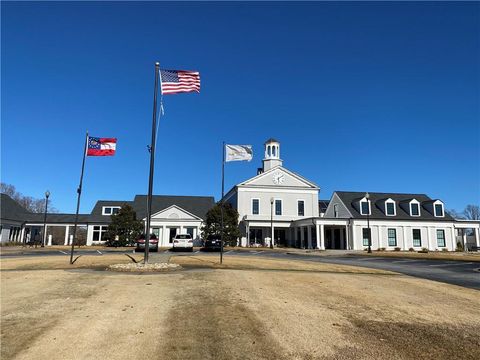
183,242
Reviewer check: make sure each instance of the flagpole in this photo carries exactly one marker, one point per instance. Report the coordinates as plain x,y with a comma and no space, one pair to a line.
79,191
152,163
221,201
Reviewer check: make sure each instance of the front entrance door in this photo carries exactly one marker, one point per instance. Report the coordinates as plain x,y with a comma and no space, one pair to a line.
173,232
256,237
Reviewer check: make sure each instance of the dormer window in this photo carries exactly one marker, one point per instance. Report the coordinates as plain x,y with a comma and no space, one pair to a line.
414,208
110,210
438,209
365,207
390,208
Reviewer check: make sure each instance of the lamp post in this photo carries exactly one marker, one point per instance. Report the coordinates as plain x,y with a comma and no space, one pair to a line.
271,222
47,194
367,196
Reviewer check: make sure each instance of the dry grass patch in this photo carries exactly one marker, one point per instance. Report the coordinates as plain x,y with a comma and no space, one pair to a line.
62,262
251,263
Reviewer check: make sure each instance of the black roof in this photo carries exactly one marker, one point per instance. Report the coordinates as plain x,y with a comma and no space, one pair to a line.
197,205
97,209
271,140
322,205
12,210
55,218
349,198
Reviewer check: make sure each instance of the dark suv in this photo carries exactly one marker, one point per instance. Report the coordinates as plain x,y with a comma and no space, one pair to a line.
213,243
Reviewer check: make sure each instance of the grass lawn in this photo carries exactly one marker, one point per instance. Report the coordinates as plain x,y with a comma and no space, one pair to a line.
247,308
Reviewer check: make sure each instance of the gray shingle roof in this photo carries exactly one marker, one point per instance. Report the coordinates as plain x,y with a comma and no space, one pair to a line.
11,210
197,205
322,205
55,218
271,140
378,202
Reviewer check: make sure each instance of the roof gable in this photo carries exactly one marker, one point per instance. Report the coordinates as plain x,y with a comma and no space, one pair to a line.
279,177
195,205
174,212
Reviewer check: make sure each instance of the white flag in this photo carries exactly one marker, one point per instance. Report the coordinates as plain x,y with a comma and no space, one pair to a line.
238,153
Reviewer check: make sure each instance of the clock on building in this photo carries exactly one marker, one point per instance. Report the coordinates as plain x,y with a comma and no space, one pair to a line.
278,178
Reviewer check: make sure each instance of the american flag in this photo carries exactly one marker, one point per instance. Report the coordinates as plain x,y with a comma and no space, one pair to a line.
178,81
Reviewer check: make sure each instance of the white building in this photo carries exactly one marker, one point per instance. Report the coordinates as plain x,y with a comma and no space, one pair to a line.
286,204
276,201
171,215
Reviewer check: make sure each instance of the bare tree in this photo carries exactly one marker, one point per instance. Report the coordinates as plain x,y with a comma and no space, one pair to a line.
472,212
455,214
28,202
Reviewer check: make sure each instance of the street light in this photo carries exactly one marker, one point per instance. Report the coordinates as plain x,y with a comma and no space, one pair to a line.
271,222
367,196
47,194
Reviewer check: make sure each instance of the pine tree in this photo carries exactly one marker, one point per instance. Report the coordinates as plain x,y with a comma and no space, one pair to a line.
124,228
213,226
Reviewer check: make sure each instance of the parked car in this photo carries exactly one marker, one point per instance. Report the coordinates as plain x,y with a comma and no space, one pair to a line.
213,243
153,243
183,242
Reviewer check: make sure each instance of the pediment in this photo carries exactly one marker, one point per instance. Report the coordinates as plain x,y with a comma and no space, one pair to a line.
174,212
279,177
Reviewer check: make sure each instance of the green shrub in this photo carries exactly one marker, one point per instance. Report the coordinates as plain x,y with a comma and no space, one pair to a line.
411,249
444,249
397,249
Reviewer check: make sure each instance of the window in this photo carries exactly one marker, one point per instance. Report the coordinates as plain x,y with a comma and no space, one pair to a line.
278,207
110,210
301,208
439,210
190,231
417,237
390,208
392,237
335,210
441,238
365,208
366,236
255,206
414,209
98,232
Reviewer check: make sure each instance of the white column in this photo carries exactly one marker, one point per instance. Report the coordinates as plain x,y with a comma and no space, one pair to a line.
181,229
431,243
405,238
464,236
247,230
347,237
67,230
49,240
454,239
309,237
379,242
164,235
321,238
22,234
272,235
477,239
317,233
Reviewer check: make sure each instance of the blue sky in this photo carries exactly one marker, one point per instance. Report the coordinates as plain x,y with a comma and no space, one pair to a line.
363,96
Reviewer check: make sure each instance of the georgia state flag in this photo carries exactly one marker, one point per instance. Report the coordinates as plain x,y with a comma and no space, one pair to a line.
101,146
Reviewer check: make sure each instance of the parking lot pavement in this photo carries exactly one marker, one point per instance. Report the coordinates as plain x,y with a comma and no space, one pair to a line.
466,274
